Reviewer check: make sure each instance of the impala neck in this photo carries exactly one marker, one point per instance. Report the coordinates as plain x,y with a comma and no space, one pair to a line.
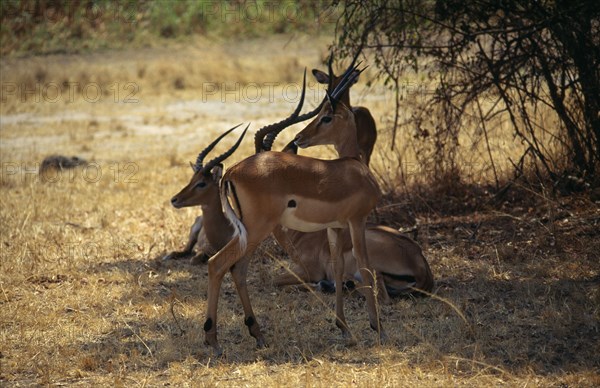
348,148
345,99
347,144
217,228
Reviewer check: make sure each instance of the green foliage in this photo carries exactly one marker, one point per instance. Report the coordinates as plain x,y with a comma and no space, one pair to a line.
38,27
533,64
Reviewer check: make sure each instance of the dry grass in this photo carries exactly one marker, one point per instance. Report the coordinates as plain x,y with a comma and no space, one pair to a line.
85,300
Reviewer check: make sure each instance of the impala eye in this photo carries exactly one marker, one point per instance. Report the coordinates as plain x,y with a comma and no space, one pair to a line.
326,119
200,185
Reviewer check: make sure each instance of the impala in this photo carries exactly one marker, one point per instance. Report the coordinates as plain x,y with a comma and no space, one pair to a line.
203,190
397,260
301,193
365,123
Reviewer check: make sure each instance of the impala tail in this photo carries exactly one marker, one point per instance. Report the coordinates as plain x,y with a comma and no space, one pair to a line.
397,285
421,277
400,262
234,213
427,282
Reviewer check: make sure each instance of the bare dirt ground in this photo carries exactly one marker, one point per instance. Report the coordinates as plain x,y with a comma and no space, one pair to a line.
86,300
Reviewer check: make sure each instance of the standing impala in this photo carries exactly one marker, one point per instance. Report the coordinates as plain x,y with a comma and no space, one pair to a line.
301,193
365,123
398,261
366,137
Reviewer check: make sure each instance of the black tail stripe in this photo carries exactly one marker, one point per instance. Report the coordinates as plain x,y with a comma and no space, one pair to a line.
237,201
404,278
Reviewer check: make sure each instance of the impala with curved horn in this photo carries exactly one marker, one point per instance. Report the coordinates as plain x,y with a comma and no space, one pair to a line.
397,260
365,123
210,201
203,190
301,193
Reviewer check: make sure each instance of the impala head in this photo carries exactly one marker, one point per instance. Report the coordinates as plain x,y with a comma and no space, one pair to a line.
335,122
204,185
331,126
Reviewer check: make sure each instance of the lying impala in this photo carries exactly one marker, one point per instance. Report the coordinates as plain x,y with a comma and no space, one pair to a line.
301,193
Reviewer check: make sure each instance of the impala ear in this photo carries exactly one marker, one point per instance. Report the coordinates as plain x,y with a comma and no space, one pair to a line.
217,172
193,167
321,77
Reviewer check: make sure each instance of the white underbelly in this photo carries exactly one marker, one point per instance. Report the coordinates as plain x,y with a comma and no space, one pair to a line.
290,221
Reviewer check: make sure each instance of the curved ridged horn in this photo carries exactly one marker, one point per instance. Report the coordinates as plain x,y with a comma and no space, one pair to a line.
330,71
333,95
259,137
225,155
270,138
198,166
349,77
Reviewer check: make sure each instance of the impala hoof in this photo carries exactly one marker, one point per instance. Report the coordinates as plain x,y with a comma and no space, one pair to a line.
199,259
350,341
210,337
347,336
261,344
217,350
383,338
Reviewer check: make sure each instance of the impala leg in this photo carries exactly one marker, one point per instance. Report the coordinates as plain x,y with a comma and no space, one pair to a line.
359,248
335,249
218,265
298,276
189,246
239,272
382,294
205,250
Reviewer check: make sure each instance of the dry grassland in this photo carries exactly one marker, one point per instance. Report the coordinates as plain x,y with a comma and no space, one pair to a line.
85,299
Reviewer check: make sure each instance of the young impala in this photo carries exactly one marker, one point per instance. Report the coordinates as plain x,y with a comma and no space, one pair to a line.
301,193
203,190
